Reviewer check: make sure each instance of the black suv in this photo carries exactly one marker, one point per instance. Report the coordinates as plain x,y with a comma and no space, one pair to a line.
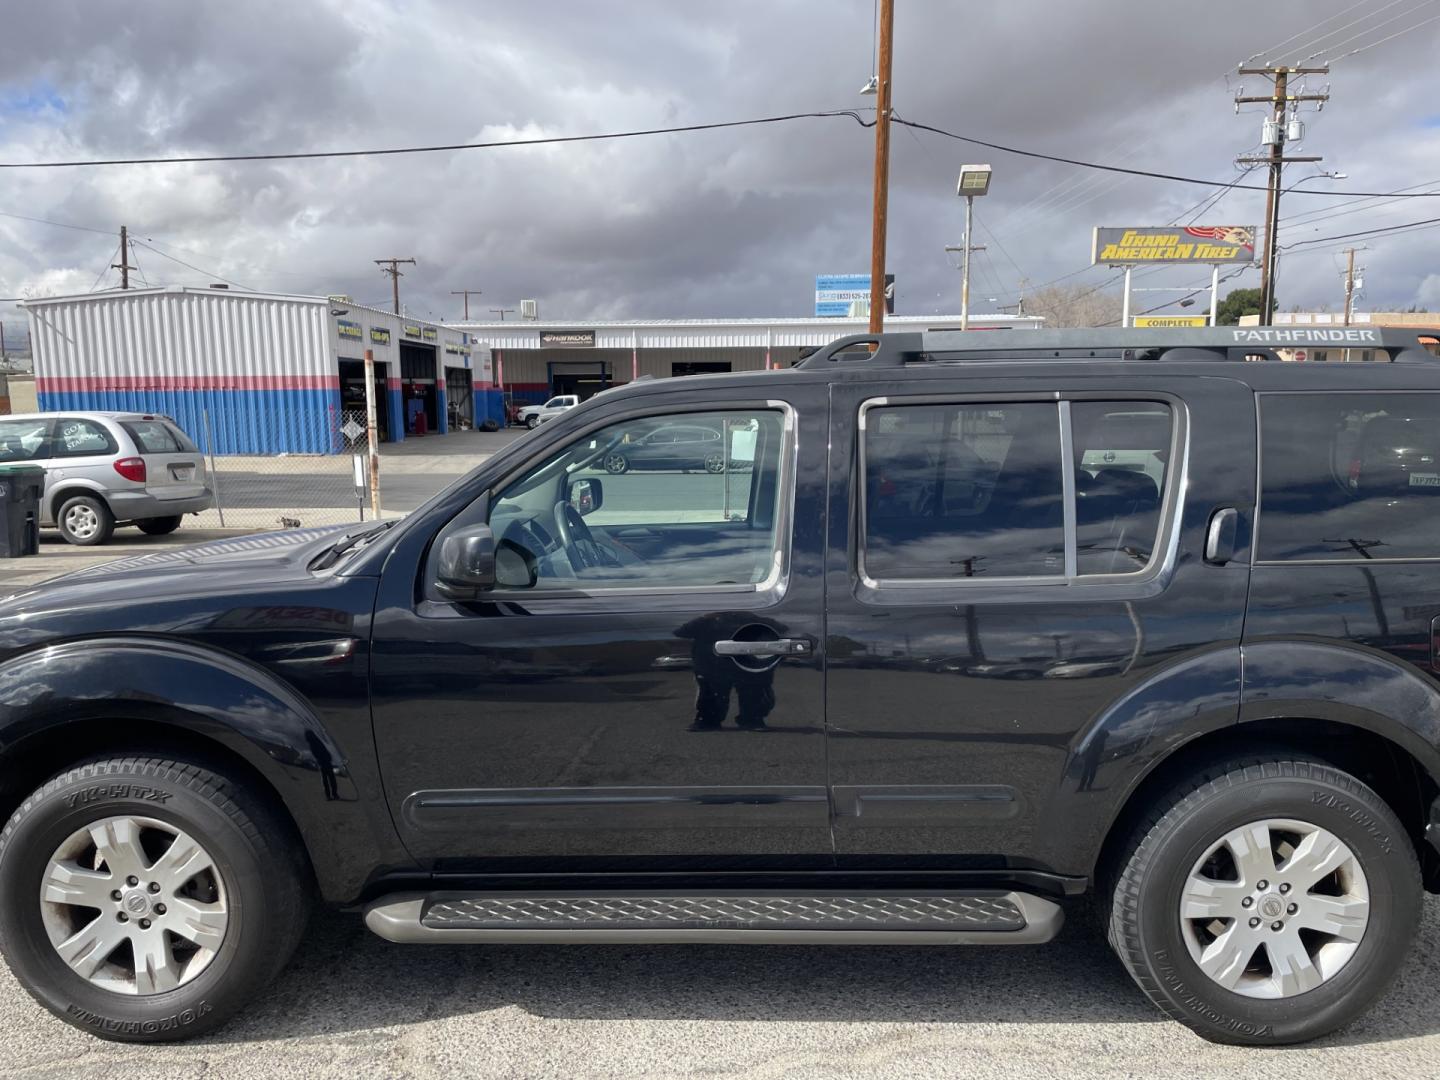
985,622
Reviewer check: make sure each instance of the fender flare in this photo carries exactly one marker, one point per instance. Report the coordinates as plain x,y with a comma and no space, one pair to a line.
223,699
1113,754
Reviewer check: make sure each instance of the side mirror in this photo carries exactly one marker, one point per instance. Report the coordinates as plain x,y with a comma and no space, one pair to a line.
467,563
587,496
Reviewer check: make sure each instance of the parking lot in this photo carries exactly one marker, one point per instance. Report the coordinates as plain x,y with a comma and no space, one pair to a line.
352,1005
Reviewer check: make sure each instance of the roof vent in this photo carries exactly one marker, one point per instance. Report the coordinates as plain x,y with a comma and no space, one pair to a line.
530,309
215,286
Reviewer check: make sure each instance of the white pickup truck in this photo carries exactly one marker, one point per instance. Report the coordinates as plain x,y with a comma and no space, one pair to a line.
532,416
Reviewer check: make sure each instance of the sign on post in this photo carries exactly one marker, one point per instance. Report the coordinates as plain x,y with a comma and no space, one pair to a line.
1170,322
1173,244
836,294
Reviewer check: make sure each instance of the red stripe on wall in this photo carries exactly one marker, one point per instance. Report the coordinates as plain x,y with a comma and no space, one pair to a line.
70,384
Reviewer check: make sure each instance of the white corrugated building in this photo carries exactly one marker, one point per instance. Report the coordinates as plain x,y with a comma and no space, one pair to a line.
534,360
273,373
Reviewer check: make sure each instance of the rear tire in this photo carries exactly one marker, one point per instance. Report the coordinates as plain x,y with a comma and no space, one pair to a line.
159,526
1219,878
85,520
615,464
235,911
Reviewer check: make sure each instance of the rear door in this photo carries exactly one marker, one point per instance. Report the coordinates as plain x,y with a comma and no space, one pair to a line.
174,468
1009,560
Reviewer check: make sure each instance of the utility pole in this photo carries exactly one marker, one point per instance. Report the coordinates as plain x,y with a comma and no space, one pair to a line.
124,264
372,440
1275,137
467,293
880,208
1349,284
392,267
503,311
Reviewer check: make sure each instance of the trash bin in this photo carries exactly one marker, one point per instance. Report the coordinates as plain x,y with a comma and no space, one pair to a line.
20,489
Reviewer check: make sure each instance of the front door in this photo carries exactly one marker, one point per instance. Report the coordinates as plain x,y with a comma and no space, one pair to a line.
645,680
1018,559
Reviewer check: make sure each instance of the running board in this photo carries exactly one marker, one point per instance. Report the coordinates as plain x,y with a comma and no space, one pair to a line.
920,917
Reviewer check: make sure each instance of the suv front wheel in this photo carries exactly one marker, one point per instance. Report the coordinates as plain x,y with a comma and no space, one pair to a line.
147,900
1268,901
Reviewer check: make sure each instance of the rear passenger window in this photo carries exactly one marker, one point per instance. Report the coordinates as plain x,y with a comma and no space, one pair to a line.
979,490
24,440
1349,476
963,491
81,438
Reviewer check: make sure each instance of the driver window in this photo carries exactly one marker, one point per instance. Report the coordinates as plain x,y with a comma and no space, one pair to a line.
630,506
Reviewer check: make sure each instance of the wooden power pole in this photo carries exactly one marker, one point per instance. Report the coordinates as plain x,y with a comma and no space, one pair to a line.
1275,158
1349,284
392,267
879,210
466,293
124,264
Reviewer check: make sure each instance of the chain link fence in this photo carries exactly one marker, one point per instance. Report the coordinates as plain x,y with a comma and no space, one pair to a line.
286,490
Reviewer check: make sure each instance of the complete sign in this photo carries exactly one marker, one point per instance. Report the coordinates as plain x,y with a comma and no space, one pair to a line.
1187,244
1170,321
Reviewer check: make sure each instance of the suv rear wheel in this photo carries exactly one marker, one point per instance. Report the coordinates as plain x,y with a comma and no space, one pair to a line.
147,900
85,520
1267,902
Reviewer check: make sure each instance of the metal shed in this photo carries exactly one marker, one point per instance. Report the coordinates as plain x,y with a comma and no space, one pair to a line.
272,373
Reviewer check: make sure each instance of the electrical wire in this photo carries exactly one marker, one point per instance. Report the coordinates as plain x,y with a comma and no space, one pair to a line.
107,268
1392,37
1273,49
438,148
58,224
1342,29
188,266
1363,232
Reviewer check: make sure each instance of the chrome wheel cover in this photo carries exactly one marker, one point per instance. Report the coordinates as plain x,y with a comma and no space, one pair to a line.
134,905
82,522
1275,908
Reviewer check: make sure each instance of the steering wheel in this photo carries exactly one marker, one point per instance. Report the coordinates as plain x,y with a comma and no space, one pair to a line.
580,545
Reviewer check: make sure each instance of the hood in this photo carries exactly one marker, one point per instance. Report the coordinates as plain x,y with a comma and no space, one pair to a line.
233,565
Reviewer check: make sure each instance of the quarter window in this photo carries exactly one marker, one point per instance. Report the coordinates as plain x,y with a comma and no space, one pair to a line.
1349,476
622,509
978,490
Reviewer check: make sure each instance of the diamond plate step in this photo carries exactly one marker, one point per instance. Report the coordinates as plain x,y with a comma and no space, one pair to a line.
917,917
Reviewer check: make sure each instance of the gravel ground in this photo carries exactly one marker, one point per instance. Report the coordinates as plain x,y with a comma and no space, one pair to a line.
354,1006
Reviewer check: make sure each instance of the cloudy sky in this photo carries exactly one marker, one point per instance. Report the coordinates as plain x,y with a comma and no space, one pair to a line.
733,222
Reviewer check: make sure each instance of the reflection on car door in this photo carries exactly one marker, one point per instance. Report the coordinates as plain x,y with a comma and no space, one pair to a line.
578,725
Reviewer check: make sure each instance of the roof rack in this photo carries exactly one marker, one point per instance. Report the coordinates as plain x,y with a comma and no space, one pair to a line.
1219,343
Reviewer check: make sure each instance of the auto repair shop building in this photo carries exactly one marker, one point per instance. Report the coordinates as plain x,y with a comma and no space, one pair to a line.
534,360
273,373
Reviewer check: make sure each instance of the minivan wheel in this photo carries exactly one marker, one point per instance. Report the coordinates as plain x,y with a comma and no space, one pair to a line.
147,900
1268,901
85,520
159,526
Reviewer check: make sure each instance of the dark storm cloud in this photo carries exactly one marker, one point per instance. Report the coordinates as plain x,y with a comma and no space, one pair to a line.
719,223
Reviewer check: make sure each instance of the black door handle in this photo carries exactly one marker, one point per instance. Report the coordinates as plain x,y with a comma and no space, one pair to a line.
1220,537
776,647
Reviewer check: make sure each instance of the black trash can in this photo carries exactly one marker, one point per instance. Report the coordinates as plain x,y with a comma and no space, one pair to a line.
20,490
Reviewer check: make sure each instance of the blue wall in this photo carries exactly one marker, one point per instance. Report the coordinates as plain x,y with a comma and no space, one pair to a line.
241,421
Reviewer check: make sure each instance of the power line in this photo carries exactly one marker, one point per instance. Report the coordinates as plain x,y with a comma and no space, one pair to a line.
1391,37
438,148
106,269
1364,232
58,224
188,266
1273,49
1342,29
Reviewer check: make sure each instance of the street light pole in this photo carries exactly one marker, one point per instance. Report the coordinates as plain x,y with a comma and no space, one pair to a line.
880,207
965,272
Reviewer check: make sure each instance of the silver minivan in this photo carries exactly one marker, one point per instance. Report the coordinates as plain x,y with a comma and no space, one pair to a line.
104,469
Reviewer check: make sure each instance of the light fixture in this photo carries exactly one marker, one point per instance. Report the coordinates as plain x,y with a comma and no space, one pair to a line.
974,180
871,87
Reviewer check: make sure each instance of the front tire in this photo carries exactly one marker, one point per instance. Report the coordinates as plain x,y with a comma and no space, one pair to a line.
85,520
1267,902
147,900
615,464
532,421
162,526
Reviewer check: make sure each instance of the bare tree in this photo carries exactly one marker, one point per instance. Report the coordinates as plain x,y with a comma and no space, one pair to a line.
1075,305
